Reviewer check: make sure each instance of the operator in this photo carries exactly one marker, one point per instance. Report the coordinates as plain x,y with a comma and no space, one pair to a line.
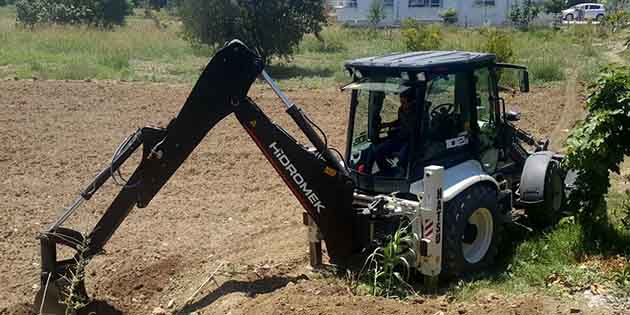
400,137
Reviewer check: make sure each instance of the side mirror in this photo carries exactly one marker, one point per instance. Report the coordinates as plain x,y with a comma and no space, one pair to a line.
512,116
511,75
524,81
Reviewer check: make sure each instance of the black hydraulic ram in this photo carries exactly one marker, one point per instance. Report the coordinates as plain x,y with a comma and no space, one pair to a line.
318,179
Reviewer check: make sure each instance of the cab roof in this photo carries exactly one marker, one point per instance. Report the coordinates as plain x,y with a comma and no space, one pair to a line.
430,61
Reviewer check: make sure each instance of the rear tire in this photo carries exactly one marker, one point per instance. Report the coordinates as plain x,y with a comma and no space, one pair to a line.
472,230
548,212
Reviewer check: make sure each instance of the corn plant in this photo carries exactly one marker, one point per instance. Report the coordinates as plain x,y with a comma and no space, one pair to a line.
387,269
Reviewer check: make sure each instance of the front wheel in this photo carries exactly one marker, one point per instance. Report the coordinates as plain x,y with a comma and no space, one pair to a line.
569,17
599,17
472,229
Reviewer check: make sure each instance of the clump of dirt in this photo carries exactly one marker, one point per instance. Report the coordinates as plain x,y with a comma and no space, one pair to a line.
550,111
18,309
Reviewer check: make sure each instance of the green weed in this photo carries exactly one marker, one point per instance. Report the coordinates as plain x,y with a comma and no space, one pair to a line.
123,53
546,69
115,61
387,268
548,262
331,40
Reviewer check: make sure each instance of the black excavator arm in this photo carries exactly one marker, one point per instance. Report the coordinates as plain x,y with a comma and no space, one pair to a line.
318,179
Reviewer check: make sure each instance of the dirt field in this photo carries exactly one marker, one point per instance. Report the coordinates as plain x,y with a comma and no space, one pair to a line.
225,204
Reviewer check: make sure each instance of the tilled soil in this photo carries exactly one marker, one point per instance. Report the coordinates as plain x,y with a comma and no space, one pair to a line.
225,204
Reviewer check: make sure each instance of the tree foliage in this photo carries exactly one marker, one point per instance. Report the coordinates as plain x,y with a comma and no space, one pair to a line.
418,37
571,3
554,6
599,145
499,43
522,15
616,20
273,28
449,16
105,13
376,13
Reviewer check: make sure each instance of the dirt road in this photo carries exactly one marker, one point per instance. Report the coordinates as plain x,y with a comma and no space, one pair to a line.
225,204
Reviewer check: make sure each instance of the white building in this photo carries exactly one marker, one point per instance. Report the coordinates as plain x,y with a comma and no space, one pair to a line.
469,12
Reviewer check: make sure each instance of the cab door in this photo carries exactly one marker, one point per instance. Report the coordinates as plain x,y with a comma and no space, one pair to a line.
487,117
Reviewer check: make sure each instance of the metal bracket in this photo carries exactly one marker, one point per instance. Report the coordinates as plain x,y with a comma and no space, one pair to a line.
428,223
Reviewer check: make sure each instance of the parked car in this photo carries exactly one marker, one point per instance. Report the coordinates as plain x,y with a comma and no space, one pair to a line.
589,11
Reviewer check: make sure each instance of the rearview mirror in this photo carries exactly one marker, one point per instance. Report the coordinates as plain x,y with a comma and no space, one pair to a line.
512,77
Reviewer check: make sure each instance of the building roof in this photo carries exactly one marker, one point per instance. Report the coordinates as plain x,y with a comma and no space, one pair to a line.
422,61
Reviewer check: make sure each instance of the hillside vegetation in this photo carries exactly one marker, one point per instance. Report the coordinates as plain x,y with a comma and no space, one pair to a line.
151,48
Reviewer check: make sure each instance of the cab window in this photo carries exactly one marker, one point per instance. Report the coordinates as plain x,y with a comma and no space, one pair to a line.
447,118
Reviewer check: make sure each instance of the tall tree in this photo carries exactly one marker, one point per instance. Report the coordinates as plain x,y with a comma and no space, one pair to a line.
272,27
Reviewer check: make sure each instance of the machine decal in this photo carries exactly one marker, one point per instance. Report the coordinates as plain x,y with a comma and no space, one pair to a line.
456,142
428,228
438,211
297,177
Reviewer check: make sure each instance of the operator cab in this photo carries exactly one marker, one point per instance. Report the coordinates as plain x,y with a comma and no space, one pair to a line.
418,109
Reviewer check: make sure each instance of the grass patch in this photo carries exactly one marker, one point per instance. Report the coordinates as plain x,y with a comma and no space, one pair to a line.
74,52
549,262
546,69
146,50
565,260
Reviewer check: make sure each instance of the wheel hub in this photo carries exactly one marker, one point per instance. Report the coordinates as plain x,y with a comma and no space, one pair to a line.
477,235
470,233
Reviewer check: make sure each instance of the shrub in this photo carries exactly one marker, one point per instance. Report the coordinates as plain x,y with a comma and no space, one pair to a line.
376,13
113,12
105,13
599,144
617,20
419,37
546,69
449,16
499,43
624,208
273,28
157,4
554,6
522,15
30,12
329,41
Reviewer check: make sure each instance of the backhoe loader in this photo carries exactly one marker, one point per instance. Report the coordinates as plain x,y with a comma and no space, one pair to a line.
430,148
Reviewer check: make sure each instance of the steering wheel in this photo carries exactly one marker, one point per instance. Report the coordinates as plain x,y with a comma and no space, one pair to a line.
443,110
